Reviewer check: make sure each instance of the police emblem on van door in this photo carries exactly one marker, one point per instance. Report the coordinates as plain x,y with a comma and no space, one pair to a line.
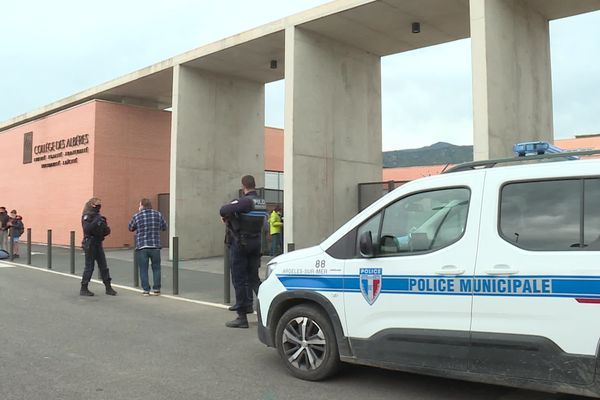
370,283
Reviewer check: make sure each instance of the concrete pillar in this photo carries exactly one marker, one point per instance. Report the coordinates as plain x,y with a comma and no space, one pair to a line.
217,136
512,88
332,133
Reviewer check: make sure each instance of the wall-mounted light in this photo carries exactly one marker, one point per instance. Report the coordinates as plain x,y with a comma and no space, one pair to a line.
416,27
273,64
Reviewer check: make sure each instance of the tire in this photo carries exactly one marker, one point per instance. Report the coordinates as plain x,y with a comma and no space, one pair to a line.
314,359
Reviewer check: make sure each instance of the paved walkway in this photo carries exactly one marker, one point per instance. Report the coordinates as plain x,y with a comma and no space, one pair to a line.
201,279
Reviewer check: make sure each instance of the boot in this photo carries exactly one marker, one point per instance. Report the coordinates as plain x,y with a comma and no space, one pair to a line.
249,309
84,290
109,290
239,322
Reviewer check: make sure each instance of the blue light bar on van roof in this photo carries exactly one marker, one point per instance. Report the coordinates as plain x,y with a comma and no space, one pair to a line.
536,148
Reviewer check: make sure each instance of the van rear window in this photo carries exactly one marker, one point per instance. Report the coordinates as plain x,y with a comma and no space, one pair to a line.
547,215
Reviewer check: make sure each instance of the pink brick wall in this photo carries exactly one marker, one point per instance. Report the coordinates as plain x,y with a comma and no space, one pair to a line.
273,149
127,159
132,156
49,198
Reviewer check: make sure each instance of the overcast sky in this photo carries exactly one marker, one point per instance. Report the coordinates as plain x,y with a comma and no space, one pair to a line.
53,49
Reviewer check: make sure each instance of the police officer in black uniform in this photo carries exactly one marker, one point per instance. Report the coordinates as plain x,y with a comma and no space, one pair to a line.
95,229
245,219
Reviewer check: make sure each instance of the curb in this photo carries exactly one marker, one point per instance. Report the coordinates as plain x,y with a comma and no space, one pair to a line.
166,296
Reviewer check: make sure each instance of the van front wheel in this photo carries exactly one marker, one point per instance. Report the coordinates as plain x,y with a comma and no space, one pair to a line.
306,343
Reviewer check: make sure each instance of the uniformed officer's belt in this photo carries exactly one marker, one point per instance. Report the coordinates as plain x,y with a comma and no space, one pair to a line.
249,235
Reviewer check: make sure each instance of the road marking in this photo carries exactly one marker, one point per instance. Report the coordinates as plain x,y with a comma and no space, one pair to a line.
8,264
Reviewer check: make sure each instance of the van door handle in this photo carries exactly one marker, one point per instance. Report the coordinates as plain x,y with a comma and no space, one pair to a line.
450,270
501,269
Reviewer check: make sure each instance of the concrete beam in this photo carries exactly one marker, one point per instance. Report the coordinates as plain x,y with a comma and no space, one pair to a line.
153,83
555,9
217,136
512,88
385,27
332,133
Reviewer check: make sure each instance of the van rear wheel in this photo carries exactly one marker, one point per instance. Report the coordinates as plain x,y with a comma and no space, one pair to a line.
306,343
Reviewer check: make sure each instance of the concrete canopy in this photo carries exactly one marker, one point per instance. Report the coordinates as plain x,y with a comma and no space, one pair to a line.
555,9
154,91
149,87
249,60
384,27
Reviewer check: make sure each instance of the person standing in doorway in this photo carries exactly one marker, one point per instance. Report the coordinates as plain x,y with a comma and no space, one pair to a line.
275,226
95,229
147,224
4,220
245,218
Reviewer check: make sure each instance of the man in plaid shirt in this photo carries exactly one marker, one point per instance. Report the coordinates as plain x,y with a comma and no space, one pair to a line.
147,224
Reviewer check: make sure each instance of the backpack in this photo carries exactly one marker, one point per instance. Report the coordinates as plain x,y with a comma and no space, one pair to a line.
19,227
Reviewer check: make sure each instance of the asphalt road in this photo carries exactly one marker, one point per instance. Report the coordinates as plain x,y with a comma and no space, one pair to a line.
55,344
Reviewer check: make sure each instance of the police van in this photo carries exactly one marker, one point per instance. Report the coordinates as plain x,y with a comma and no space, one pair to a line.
489,272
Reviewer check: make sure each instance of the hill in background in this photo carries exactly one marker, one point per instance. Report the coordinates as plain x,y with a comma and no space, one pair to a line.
436,154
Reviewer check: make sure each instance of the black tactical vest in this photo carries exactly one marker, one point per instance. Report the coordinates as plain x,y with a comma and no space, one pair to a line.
252,222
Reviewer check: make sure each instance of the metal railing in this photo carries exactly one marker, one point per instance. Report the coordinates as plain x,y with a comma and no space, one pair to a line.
72,252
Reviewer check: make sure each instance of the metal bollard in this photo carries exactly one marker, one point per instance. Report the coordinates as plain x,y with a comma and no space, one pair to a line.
226,276
11,245
28,246
72,248
136,271
175,265
49,259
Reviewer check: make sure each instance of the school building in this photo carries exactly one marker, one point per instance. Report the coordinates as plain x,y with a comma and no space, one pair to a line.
117,140
119,153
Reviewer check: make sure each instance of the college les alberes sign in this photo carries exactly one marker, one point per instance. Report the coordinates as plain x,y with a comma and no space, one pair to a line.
55,153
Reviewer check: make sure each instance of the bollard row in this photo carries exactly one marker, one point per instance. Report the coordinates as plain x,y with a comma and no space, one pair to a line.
136,278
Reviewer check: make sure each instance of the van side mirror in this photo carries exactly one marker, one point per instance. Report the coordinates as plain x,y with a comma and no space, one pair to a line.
366,244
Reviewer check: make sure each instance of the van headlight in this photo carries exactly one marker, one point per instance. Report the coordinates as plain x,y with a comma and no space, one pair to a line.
271,267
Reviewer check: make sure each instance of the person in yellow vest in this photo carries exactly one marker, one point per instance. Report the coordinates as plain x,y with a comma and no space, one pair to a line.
275,226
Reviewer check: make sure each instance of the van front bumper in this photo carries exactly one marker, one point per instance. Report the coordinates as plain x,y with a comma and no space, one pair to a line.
263,332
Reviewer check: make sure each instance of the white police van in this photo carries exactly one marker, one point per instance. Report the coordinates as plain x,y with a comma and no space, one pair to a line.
483,274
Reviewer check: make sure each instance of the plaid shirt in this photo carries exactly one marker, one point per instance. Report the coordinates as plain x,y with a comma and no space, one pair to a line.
147,225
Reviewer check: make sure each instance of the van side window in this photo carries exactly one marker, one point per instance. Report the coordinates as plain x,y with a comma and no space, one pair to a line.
545,215
591,214
420,222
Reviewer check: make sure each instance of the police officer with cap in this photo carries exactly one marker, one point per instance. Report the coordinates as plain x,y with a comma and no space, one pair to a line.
245,219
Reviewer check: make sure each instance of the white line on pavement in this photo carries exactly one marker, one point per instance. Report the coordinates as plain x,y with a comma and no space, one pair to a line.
7,264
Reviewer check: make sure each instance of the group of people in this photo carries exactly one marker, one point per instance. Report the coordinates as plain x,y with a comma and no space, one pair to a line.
11,229
146,223
245,219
